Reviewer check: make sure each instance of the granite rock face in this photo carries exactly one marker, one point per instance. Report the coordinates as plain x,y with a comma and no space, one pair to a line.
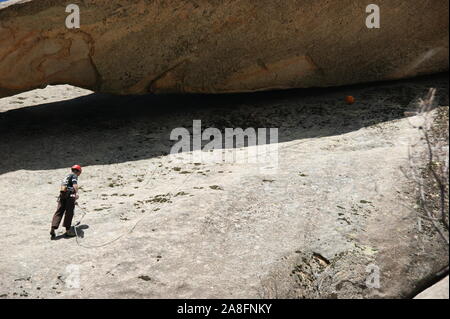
334,209
130,47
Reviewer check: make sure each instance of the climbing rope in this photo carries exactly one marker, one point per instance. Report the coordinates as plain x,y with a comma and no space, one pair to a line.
124,234
140,219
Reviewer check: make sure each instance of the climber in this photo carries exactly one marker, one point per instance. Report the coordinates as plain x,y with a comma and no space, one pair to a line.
66,202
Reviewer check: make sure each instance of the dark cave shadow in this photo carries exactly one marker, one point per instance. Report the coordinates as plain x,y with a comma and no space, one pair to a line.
106,129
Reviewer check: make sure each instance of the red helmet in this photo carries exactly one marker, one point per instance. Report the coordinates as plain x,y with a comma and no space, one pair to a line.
77,167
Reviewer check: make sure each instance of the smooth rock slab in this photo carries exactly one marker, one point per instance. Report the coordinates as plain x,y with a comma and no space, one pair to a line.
164,229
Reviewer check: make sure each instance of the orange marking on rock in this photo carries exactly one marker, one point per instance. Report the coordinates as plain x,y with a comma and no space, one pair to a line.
349,99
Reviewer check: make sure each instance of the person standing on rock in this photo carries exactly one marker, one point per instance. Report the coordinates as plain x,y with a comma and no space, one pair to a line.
66,202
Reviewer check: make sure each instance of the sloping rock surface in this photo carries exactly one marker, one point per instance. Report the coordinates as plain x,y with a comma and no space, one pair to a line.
437,291
159,228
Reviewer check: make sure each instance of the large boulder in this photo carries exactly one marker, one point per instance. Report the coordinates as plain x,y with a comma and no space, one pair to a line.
143,46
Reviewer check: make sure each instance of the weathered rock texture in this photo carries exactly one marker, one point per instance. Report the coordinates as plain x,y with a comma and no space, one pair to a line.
218,46
158,228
